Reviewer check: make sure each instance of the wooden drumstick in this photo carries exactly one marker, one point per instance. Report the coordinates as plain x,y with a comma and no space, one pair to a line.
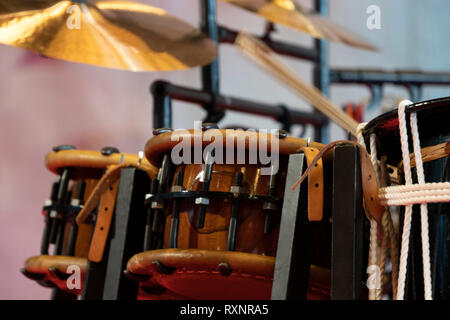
260,53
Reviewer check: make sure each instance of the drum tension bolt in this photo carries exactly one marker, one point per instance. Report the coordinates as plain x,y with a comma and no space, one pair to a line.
31,275
60,275
202,201
237,189
178,187
160,268
224,269
270,206
45,242
149,231
136,277
160,186
107,151
63,147
157,132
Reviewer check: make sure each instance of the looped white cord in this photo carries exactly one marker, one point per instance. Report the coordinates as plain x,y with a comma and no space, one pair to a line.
423,209
359,131
373,234
415,194
408,208
374,225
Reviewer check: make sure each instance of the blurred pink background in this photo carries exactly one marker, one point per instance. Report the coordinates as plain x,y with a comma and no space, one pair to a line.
45,102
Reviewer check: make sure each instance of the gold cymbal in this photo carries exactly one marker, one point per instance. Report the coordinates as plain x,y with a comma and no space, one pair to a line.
113,34
290,13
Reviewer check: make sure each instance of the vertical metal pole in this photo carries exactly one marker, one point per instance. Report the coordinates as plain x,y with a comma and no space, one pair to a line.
210,73
347,227
294,251
322,70
162,107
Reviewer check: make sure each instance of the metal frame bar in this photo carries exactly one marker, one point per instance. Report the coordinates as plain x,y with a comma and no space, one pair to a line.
164,92
294,251
321,70
95,278
348,226
126,234
368,77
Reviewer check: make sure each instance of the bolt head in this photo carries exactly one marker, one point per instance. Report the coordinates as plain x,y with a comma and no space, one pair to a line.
224,269
107,151
282,134
63,147
209,126
161,130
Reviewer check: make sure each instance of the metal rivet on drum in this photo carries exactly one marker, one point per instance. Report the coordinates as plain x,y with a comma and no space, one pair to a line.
63,147
209,126
136,277
107,151
282,134
161,268
224,269
161,130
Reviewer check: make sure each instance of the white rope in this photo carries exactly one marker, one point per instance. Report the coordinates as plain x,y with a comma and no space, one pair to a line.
415,194
423,209
372,279
408,208
359,135
382,262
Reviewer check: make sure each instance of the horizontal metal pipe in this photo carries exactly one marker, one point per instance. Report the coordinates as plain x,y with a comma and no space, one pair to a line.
393,77
276,112
229,36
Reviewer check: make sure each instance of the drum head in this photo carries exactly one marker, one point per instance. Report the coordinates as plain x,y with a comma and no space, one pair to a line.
432,117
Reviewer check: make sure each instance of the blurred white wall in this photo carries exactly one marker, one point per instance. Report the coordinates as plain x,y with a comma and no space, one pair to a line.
45,102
